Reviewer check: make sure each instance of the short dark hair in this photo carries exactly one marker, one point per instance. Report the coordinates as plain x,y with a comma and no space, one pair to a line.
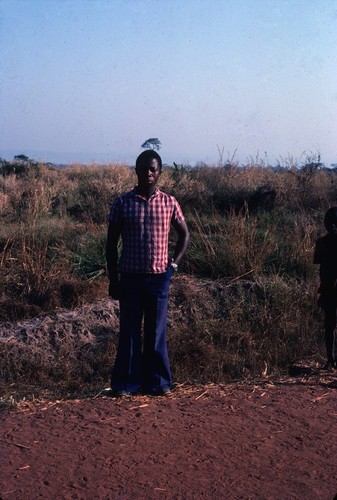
330,218
149,154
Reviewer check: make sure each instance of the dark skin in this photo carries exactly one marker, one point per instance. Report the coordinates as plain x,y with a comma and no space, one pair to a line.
148,175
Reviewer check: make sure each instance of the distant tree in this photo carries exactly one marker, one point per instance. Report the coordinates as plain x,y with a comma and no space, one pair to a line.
153,143
20,166
24,160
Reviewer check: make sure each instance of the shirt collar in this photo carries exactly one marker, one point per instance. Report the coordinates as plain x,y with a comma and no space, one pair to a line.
135,192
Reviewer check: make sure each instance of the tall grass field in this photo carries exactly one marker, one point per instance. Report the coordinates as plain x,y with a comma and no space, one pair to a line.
243,303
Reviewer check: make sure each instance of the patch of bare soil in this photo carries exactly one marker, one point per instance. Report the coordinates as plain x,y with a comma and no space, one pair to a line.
275,438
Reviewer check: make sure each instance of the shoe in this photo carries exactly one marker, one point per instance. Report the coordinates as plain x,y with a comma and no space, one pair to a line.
123,393
165,390
160,391
107,393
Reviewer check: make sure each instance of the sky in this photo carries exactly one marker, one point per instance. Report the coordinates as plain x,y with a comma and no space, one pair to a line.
89,81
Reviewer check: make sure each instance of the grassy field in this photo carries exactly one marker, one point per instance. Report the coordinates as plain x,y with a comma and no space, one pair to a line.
244,304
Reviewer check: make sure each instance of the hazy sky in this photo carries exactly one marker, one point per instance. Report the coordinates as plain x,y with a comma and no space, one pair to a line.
91,80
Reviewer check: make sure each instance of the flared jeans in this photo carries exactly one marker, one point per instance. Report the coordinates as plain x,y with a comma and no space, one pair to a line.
143,365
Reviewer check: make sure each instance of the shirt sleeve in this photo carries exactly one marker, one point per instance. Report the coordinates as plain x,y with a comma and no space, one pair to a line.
115,211
177,214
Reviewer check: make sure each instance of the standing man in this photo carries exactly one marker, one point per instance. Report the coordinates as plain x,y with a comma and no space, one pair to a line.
326,256
141,278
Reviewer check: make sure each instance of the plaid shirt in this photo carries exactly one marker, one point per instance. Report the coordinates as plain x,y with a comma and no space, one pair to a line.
145,227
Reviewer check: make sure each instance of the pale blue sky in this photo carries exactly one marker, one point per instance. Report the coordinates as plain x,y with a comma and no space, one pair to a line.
91,80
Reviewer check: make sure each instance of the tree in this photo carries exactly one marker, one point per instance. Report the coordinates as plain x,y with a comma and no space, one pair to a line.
25,161
153,143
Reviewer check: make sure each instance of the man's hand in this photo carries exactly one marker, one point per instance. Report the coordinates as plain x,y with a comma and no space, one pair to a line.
114,289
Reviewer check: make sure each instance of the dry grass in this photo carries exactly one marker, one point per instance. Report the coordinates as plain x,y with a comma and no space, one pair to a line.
244,304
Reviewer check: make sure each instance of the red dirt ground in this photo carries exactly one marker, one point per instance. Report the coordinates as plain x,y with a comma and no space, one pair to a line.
272,439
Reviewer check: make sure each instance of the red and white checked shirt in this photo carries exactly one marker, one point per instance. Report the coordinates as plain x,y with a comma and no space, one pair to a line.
145,226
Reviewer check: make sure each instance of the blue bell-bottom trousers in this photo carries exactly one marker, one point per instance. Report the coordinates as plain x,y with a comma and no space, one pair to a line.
142,365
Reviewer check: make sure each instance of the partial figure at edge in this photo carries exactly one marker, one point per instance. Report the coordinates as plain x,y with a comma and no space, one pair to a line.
326,256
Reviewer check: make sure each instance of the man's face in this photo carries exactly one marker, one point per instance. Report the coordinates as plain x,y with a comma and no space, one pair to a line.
148,173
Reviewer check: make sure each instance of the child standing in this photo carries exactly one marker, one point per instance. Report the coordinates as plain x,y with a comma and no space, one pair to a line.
326,256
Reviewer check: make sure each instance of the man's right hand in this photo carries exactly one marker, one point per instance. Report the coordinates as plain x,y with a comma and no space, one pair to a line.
114,289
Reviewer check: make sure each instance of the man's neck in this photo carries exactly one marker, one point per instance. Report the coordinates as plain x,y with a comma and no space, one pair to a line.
145,191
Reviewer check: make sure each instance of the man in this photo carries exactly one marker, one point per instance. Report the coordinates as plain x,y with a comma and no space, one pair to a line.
140,281
326,256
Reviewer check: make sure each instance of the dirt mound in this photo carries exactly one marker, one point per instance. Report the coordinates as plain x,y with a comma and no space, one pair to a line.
66,347
218,331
